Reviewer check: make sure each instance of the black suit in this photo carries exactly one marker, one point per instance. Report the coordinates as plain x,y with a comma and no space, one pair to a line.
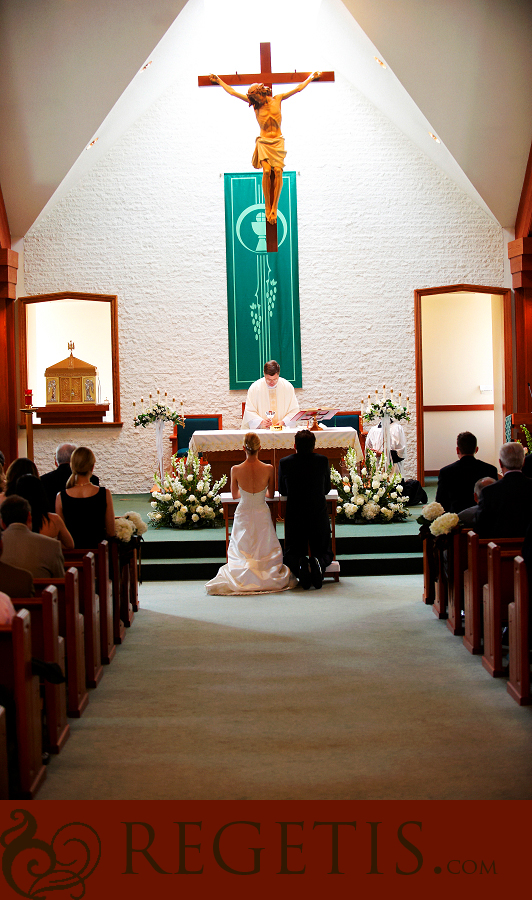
54,482
456,482
304,479
505,508
527,466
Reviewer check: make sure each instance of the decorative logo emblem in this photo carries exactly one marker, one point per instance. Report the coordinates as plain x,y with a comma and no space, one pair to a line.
36,869
252,233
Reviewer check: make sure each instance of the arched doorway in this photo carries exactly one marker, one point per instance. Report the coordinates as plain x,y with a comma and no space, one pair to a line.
463,370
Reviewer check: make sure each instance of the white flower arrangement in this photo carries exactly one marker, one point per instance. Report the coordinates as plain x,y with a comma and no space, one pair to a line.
158,412
444,524
373,496
129,525
186,498
376,411
430,512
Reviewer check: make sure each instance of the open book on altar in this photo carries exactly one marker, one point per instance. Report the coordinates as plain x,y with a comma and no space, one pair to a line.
314,416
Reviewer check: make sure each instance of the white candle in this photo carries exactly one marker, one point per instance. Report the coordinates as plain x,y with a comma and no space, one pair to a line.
142,401
384,392
407,405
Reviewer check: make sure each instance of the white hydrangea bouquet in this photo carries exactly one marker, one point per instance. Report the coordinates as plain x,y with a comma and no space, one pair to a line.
436,522
373,496
444,524
429,513
187,499
129,525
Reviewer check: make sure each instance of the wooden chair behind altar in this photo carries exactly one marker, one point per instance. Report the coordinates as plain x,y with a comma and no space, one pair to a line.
197,422
350,418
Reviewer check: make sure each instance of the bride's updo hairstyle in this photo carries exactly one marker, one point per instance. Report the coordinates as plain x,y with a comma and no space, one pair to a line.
82,463
252,442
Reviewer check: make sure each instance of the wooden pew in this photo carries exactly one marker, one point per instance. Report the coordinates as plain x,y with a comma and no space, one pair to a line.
4,778
71,629
89,605
497,594
20,690
518,620
119,627
105,595
48,645
475,577
439,606
457,564
429,569
134,571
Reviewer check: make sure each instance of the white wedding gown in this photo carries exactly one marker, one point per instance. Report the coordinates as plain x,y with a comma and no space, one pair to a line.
254,558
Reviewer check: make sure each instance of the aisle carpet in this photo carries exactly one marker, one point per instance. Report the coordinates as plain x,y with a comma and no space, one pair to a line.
356,691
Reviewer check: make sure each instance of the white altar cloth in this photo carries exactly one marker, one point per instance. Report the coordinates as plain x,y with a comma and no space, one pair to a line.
231,439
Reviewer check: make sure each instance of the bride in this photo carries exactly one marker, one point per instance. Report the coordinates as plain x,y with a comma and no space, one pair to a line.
254,558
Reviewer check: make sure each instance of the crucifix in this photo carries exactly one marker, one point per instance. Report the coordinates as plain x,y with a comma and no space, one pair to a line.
269,147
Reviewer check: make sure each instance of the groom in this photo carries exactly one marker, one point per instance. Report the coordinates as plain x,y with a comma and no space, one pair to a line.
304,479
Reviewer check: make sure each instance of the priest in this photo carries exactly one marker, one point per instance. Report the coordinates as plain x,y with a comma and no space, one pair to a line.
270,401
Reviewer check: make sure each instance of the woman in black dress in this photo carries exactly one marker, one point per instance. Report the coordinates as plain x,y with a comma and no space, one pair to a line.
86,509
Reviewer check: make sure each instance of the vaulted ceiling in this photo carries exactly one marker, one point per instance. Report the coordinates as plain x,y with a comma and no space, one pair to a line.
71,70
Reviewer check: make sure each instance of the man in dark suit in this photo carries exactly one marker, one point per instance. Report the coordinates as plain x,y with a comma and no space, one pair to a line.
305,480
505,508
456,482
55,481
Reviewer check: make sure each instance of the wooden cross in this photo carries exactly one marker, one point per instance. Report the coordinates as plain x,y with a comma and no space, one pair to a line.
269,78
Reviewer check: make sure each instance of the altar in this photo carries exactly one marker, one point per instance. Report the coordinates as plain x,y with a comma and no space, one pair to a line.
223,449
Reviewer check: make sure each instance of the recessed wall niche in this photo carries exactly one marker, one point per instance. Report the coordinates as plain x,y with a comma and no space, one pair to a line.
48,323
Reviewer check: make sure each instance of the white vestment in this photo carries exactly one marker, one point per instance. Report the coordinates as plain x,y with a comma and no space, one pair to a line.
261,399
397,442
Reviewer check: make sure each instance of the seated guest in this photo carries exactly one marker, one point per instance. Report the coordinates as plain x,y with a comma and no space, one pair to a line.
469,516
14,581
55,481
456,481
7,610
43,522
86,509
40,555
505,508
20,466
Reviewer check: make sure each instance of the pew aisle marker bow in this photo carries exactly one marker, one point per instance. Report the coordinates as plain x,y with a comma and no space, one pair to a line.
373,496
159,413
187,498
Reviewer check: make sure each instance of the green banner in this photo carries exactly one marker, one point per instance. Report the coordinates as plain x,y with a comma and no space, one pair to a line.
262,287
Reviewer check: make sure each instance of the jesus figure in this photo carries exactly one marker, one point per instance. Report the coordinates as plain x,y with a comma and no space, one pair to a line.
269,147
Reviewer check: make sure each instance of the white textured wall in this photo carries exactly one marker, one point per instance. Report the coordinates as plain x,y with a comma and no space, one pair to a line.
376,220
